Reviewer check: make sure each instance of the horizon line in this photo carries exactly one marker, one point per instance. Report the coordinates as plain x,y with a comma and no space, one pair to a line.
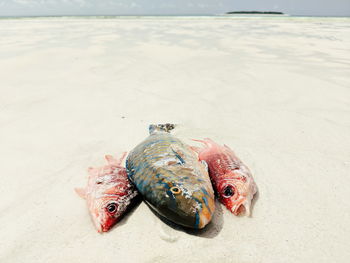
203,14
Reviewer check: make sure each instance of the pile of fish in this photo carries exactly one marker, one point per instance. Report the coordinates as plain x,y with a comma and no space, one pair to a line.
176,180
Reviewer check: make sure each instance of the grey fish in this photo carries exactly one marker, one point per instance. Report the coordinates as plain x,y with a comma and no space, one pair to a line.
172,180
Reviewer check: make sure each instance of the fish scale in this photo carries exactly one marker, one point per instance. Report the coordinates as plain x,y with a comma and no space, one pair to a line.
171,179
109,194
232,180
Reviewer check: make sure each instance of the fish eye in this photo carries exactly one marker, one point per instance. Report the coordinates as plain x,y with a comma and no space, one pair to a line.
175,190
99,181
112,207
228,191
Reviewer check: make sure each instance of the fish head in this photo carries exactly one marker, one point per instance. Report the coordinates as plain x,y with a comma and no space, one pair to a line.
110,197
237,194
106,212
187,201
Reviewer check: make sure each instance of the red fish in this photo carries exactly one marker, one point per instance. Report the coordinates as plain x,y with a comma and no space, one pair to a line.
231,179
108,193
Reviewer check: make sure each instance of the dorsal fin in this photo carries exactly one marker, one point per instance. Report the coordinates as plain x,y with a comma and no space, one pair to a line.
167,127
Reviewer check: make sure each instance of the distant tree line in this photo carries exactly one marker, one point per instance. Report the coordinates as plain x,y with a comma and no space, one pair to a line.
255,12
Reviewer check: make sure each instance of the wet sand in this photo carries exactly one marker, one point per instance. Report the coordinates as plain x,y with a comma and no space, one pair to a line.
275,89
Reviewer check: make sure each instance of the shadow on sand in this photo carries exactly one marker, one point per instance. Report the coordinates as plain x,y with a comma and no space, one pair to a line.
255,199
210,231
124,218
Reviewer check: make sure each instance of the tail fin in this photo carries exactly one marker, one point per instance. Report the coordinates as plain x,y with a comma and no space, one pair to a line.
112,161
167,127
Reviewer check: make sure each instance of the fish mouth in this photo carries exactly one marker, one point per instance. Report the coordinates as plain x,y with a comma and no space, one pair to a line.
205,214
103,223
101,228
98,226
203,220
196,215
242,208
104,228
176,216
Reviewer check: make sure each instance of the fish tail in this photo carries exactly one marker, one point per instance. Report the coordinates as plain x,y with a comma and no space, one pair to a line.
167,127
113,161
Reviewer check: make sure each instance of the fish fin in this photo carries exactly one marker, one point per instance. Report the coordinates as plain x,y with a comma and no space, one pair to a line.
231,151
227,147
167,127
207,142
196,149
81,192
111,160
210,142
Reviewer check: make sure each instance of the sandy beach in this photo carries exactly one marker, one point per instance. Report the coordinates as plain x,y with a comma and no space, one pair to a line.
275,89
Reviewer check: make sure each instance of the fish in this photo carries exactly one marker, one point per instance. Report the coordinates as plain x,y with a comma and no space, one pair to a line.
109,193
232,180
171,179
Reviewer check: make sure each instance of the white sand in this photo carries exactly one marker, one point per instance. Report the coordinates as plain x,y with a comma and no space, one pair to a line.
277,90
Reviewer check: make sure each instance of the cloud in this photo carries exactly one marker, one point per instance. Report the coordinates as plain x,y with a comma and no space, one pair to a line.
144,4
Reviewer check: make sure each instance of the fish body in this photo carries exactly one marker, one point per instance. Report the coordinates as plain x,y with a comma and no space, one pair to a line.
108,193
172,180
231,178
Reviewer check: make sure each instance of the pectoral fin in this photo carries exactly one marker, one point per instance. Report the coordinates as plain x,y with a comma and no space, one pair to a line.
195,149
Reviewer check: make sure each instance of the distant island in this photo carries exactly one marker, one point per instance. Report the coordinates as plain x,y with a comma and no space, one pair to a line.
254,12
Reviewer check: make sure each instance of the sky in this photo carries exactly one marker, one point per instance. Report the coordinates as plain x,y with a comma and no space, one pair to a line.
170,7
